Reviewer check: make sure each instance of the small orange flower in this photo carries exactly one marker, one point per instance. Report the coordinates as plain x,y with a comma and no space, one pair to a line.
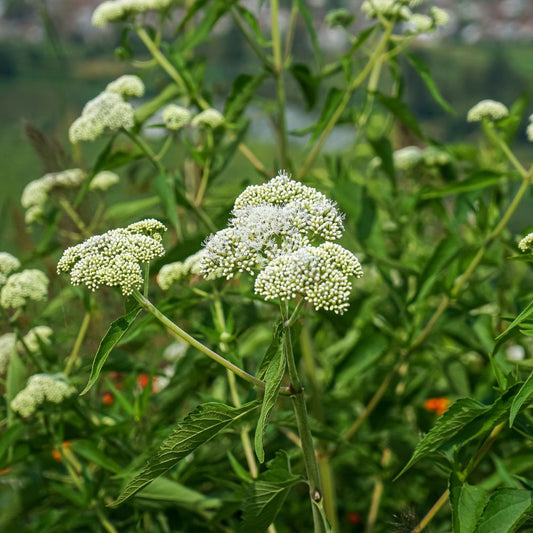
354,518
108,398
437,405
143,380
66,444
5,471
56,455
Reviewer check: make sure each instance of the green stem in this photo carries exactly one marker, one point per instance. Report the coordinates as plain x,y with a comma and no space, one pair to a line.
304,430
249,39
70,211
207,168
78,342
315,150
290,31
280,87
178,332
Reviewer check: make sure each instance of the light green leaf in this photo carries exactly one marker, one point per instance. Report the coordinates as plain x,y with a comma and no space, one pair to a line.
523,396
130,209
277,336
265,497
253,23
508,333
198,427
467,503
89,451
273,377
480,179
111,338
505,510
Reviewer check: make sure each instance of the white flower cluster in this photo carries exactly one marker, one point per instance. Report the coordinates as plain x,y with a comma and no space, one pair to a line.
408,157
30,284
41,388
108,111
526,244
31,340
113,258
8,264
8,343
103,180
318,273
386,8
275,229
487,110
127,85
440,16
37,336
209,118
529,129
179,270
176,116
113,10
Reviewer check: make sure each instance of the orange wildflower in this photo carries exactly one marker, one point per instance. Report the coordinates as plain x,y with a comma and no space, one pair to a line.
354,518
437,405
108,398
56,455
143,380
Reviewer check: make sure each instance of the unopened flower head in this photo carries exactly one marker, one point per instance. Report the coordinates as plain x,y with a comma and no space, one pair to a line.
176,116
180,270
210,118
113,10
127,85
434,156
407,157
22,287
41,388
114,258
8,345
526,244
103,180
37,336
440,16
33,214
108,111
420,23
8,264
487,110
319,274
385,8
529,131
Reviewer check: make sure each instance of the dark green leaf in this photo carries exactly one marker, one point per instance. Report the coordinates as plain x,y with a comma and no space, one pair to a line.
253,23
89,451
273,376
277,335
242,91
508,333
163,187
361,38
265,497
366,219
401,112
523,397
333,99
110,340
423,70
467,503
480,179
505,510
310,24
198,427
239,470
307,83
383,149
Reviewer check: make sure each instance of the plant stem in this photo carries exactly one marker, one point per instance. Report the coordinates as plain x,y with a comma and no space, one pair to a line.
280,88
71,212
178,332
249,39
304,430
377,494
432,512
315,150
207,168
78,342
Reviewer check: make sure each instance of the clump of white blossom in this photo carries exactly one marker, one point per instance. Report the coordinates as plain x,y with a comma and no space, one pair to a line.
113,10
440,16
279,229
209,118
526,244
127,85
529,129
41,388
8,264
107,111
434,156
176,116
21,287
179,270
103,180
386,8
114,258
407,157
487,110
8,345
37,336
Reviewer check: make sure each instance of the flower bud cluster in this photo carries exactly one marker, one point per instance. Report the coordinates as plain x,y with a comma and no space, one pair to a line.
275,229
526,244
8,264
37,336
108,111
113,10
180,270
8,345
386,8
30,284
176,116
487,110
209,118
529,129
103,180
41,388
113,258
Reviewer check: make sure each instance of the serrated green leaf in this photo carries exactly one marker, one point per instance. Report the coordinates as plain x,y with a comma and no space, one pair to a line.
480,179
242,91
198,427
264,498
277,336
522,397
423,70
111,338
467,503
448,425
505,510
273,376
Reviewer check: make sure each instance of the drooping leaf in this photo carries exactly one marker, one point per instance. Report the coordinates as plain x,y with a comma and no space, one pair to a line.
523,396
333,99
265,496
111,338
480,179
400,110
253,23
511,328
383,149
505,510
277,336
467,503
273,376
198,427
163,187
307,83
309,21
242,91
89,451
423,70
